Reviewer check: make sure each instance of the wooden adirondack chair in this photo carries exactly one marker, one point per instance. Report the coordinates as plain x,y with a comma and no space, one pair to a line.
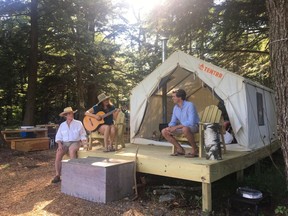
211,114
119,139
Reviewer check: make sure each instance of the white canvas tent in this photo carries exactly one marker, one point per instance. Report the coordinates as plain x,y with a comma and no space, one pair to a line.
250,106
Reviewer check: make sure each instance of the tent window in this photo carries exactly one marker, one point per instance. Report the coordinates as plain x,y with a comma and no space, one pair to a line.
260,109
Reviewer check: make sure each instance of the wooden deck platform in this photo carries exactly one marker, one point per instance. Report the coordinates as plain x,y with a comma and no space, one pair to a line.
157,160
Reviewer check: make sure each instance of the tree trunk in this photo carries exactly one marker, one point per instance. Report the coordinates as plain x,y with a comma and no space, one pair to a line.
80,88
32,71
92,93
278,15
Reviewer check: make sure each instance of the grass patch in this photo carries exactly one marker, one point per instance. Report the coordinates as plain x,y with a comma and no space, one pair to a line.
4,166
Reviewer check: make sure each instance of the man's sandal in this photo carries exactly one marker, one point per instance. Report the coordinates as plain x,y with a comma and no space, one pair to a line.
178,153
111,149
56,179
190,155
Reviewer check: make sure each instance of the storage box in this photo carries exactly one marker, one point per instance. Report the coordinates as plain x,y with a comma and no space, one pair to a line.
98,179
33,144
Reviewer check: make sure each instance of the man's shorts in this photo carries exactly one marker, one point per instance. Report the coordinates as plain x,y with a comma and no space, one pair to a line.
193,129
67,145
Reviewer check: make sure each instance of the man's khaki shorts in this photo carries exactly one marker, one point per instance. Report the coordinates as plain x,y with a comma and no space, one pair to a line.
67,145
193,129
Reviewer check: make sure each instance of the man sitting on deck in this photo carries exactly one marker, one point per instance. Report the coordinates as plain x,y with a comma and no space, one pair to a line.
68,137
184,120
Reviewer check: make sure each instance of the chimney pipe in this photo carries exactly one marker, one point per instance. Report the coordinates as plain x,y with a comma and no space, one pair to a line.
164,87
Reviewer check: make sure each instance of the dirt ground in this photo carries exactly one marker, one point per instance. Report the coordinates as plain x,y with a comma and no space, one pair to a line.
26,189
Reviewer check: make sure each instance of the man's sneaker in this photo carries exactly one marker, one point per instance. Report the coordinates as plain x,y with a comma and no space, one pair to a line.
56,179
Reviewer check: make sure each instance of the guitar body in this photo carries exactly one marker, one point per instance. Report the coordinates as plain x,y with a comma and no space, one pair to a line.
91,123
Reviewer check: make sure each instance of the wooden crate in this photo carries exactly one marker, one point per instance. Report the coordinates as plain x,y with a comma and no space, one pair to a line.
97,179
30,144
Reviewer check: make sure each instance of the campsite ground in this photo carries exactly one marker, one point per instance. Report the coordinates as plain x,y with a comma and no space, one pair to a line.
26,190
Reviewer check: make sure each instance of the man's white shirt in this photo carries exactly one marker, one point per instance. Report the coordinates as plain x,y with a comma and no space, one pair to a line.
74,132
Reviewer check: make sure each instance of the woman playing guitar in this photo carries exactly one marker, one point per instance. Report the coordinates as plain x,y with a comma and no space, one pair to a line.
100,118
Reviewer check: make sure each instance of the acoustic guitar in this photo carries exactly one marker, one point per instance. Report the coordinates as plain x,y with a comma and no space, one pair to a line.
91,123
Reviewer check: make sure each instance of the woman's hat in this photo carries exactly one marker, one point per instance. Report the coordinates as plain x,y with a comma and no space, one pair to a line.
102,97
67,110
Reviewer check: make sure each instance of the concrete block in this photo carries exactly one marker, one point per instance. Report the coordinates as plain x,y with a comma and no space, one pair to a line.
98,179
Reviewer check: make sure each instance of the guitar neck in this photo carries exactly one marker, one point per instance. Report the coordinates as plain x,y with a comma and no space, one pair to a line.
109,113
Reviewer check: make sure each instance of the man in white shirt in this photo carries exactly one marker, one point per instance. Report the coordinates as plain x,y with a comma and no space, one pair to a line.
69,136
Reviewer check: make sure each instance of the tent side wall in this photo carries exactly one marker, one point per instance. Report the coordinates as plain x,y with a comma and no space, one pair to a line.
261,113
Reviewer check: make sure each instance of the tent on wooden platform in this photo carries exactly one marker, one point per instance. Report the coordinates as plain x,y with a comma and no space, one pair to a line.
249,105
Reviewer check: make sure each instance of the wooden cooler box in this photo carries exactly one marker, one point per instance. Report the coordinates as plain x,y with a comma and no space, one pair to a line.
30,144
97,179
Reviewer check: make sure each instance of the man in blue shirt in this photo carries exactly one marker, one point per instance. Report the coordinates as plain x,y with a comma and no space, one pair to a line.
184,120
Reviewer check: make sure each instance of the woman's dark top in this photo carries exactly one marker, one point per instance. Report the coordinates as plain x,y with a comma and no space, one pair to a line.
108,120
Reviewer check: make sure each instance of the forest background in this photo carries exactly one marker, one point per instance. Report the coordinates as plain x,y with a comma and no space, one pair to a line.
60,53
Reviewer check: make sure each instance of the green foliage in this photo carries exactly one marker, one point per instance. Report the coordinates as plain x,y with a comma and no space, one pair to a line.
230,34
198,201
241,44
87,47
272,170
13,57
76,49
281,210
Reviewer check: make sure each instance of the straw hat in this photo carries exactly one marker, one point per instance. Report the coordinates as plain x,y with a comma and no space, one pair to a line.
67,110
102,97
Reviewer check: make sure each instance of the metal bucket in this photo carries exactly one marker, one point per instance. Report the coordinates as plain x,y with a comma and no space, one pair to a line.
212,141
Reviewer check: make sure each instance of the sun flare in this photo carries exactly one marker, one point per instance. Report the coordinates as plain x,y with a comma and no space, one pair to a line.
145,4
140,8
